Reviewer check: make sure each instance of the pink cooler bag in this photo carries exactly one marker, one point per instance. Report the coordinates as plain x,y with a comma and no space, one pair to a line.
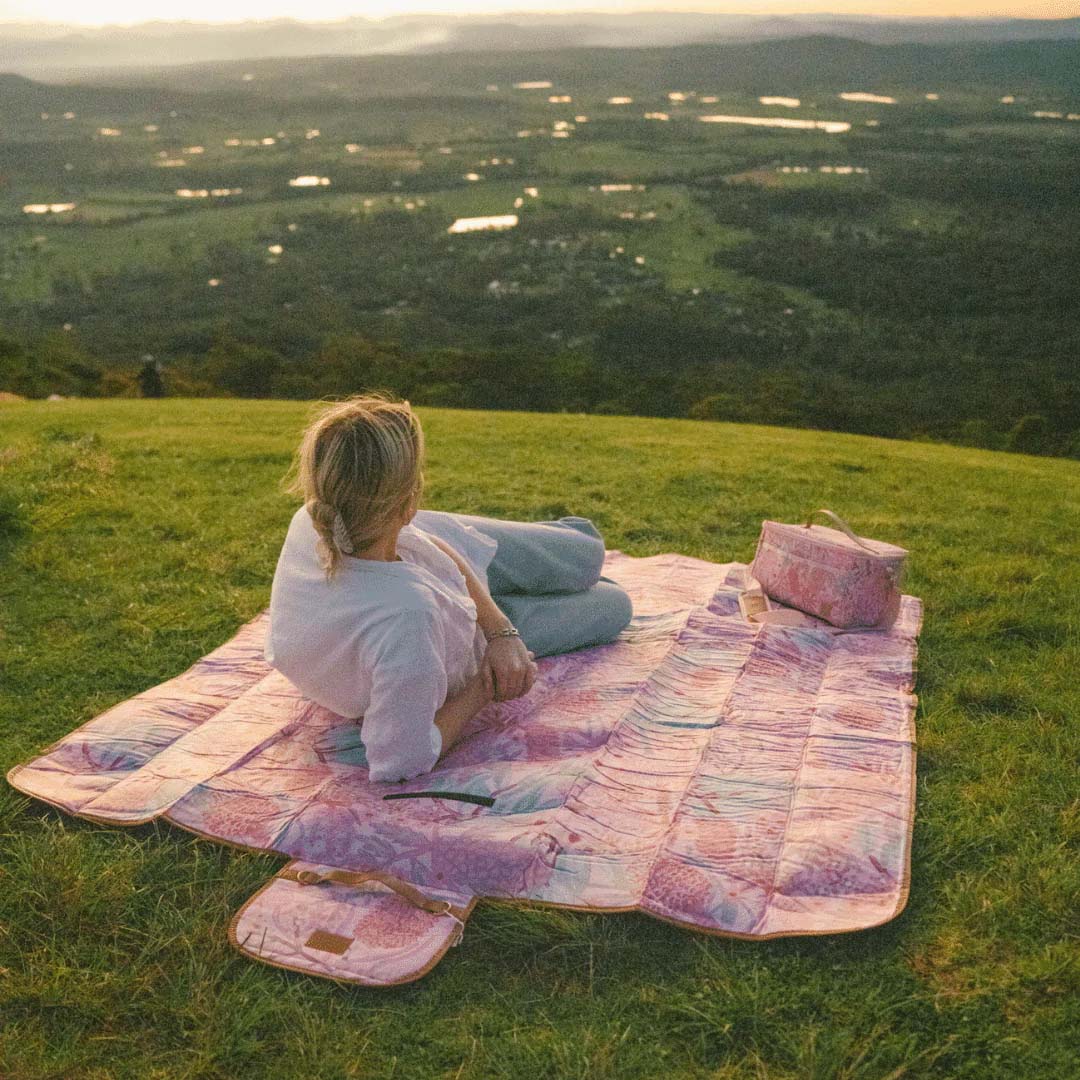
842,578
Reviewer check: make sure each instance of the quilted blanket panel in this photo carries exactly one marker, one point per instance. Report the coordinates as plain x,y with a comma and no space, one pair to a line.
738,779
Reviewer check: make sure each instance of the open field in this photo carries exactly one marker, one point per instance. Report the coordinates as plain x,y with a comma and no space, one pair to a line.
135,536
813,231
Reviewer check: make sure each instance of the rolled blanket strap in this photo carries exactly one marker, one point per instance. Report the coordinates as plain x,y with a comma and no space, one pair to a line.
406,891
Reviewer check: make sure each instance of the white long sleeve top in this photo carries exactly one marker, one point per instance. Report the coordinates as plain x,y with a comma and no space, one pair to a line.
387,642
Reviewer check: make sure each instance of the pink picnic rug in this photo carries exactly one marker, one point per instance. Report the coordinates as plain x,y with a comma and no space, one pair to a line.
743,780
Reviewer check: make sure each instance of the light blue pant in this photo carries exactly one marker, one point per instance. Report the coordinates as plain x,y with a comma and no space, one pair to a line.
546,579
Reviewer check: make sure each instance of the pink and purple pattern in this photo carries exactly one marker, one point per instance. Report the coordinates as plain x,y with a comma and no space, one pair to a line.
826,574
735,779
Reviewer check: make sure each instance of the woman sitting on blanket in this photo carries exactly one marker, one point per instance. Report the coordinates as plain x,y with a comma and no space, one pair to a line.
416,619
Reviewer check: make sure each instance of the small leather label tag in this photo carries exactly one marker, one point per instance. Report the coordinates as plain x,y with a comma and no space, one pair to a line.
753,602
324,941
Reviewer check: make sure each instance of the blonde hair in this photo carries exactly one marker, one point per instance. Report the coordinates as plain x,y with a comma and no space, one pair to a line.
359,467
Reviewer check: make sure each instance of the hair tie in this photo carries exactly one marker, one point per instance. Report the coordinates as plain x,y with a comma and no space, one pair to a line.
341,535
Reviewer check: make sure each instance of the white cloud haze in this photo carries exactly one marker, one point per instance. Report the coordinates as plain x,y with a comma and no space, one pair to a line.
102,12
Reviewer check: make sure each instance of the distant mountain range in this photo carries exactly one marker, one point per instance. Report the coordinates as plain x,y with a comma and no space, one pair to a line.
55,51
814,63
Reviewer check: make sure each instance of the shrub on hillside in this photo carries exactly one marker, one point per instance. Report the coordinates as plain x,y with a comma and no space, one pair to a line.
980,433
52,364
1031,435
242,369
719,407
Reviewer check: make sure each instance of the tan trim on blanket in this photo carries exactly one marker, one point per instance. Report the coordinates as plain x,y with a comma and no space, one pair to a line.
463,912
240,947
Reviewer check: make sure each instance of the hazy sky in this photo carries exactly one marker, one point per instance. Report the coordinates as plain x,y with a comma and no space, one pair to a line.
98,12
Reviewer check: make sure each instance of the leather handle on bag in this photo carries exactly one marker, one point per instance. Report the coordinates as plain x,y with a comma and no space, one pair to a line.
349,877
844,527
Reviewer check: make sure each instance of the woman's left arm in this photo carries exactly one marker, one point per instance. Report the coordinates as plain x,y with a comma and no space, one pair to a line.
488,614
508,664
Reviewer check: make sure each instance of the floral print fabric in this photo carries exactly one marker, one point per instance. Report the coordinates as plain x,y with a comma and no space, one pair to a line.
735,779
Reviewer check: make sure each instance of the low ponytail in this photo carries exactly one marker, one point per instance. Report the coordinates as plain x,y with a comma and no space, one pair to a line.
332,543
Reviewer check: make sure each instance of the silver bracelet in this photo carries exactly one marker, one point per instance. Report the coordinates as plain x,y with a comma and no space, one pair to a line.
506,631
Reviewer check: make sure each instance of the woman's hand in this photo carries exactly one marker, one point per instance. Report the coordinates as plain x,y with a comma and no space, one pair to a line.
508,668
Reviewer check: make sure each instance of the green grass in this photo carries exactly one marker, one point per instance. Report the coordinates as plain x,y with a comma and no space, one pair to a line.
609,158
136,536
149,242
678,244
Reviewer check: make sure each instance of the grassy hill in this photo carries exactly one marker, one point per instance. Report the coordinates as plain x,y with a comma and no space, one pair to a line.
135,536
